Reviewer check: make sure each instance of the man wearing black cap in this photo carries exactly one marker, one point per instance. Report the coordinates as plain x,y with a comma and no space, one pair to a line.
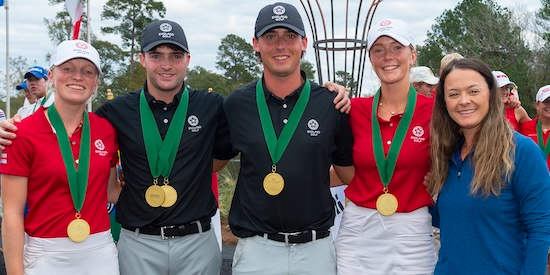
167,135
288,134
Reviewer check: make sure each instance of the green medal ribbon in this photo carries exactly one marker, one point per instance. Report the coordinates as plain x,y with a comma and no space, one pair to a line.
278,146
545,149
78,180
386,165
161,154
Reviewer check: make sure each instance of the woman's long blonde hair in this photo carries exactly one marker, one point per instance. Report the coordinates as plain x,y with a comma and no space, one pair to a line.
494,145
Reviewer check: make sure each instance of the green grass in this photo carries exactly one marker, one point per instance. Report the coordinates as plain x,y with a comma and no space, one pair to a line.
227,180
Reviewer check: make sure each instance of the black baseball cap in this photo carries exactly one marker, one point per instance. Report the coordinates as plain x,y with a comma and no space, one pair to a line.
163,32
279,15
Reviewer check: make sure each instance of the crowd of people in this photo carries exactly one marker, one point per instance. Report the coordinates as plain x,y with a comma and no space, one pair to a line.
426,155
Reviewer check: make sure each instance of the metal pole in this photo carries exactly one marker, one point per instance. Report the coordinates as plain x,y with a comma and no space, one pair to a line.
8,114
88,39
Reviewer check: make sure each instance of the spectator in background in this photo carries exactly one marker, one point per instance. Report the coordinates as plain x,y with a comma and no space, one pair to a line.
448,58
30,98
492,184
2,115
37,78
423,80
515,115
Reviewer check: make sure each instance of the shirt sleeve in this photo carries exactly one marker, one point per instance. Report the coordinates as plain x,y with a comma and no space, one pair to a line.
531,185
16,159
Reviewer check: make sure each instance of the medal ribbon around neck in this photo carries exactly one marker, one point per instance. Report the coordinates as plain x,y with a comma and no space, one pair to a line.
78,180
161,154
278,146
386,165
273,182
545,148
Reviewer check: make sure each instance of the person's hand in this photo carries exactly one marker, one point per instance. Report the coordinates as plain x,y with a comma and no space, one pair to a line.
7,129
427,179
512,102
121,179
341,101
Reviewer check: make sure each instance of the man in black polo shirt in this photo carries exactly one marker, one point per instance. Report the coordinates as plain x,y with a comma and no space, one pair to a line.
288,133
167,202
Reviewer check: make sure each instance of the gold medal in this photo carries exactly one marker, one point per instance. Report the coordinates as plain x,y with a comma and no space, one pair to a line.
273,184
78,230
170,195
386,204
154,196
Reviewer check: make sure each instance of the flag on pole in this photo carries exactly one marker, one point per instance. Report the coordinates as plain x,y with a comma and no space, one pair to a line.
1,3
74,8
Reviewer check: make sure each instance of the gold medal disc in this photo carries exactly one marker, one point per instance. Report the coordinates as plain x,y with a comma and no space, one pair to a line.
274,184
78,230
154,196
386,204
170,195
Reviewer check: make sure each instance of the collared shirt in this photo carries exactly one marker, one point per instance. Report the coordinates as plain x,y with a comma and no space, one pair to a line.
413,161
35,154
322,138
504,234
205,135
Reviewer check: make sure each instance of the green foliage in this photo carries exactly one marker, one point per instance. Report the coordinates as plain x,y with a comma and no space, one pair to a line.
308,68
482,29
345,79
203,79
237,60
227,180
133,16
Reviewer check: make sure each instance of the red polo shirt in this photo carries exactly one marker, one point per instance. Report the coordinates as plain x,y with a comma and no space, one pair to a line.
35,154
529,129
510,115
413,162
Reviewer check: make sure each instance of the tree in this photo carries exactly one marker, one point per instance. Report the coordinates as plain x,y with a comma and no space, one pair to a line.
481,29
308,68
237,60
346,79
203,79
133,16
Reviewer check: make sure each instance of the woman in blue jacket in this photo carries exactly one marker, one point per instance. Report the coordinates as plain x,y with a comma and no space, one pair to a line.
492,184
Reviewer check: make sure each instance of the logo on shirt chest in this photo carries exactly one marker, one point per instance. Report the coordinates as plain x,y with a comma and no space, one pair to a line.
313,128
193,121
100,148
418,134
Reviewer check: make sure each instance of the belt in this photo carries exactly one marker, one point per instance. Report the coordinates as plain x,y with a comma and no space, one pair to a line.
172,231
297,237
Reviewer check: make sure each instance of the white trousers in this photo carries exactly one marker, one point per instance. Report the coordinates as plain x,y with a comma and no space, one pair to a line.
61,256
370,243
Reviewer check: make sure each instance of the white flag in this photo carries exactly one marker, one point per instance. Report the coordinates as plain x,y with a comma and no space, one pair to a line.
74,7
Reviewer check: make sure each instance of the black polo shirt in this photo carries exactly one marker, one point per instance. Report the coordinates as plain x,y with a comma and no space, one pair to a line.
205,135
322,137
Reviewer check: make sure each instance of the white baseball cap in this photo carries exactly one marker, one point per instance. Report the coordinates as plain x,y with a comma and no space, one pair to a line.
543,93
393,28
71,49
502,79
423,74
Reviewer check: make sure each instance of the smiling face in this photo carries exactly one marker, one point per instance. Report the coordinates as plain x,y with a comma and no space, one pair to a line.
75,80
280,50
166,67
390,60
466,96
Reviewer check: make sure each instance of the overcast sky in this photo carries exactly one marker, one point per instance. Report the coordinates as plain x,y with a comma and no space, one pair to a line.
206,22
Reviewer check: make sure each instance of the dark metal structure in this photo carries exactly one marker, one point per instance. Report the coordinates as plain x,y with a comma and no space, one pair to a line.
340,54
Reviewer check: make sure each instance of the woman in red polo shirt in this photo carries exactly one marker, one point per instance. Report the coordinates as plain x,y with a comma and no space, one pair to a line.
386,227
63,164
539,128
